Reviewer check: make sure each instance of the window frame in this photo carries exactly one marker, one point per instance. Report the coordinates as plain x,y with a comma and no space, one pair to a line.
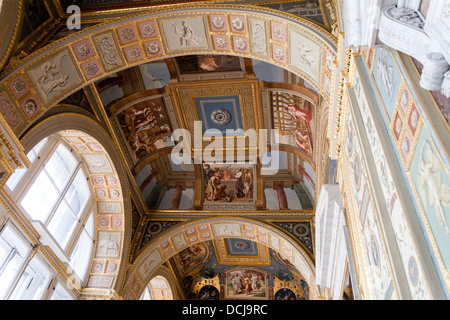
28,179
22,265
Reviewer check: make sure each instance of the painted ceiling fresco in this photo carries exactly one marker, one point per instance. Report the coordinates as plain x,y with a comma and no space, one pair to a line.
145,127
234,268
114,79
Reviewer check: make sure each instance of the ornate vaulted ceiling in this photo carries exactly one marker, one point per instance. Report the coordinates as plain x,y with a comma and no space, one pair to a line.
142,104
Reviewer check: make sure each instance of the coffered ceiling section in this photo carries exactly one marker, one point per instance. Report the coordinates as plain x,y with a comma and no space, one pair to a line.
221,106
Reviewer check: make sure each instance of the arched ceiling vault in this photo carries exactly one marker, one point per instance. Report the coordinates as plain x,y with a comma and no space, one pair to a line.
156,66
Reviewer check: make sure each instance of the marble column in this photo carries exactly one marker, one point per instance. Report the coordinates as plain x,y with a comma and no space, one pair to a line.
282,200
177,196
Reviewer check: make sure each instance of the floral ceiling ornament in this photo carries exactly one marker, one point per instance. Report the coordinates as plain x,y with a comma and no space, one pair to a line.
218,22
221,116
153,48
238,24
148,29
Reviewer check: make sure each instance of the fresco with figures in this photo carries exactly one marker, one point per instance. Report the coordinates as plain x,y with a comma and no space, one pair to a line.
229,183
365,224
421,160
295,117
146,127
392,202
216,277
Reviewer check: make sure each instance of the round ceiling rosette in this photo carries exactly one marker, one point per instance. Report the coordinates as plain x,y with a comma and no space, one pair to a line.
221,116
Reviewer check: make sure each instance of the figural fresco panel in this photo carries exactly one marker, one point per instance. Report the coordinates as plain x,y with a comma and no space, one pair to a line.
387,78
374,258
190,234
392,202
432,187
210,277
417,151
146,127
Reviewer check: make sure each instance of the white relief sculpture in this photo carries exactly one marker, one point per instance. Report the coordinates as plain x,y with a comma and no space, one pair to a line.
407,16
405,98
31,106
19,86
10,113
111,180
115,194
109,51
221,42
91,69
148,29
327,85
109,207
307,58
128,34
97,163
109,246
240,44
146,266
278,32
218,22
259,37
414,120
237,24
134,53
187,35
153,48
398,125
438,194
226,230
446,10
83,50
385,72
329,62
445,88
51,75
279,54
178,241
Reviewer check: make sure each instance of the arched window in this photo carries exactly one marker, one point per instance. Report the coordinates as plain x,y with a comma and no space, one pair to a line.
56,195
157,289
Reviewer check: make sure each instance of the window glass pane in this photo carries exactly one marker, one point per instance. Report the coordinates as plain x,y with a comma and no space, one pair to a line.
33,281
15,178
89,227
62,224
40,198
61,293
61,166
146,295
78,193
13,250
19,173
81,255
32,155
8,273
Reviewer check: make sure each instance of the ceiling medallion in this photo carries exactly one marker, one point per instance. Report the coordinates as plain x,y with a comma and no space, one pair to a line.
221,117
242,245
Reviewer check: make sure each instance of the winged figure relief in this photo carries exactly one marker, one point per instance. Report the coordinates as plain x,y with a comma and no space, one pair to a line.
431,188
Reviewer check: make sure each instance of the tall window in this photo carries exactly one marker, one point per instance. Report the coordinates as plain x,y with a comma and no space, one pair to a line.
56,196
14,250
157,289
